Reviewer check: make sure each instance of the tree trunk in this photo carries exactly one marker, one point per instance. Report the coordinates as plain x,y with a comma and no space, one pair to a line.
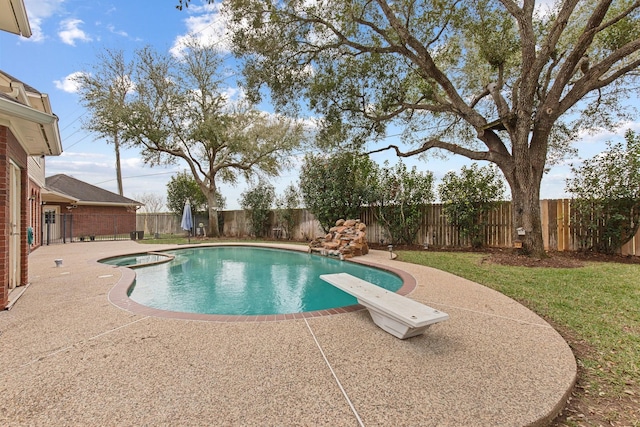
214,230
116,144
526,218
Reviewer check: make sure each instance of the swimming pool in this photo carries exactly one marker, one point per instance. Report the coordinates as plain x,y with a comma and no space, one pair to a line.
245,280
138,260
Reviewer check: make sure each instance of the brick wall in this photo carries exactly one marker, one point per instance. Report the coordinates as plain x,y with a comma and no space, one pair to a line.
4,216
10,150
100,220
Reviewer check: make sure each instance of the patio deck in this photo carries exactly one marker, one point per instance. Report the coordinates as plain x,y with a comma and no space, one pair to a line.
73,358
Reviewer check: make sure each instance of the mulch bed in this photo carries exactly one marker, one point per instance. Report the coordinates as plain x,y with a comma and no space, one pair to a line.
513,258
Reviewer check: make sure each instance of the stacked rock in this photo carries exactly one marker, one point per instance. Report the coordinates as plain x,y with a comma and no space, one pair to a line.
346,240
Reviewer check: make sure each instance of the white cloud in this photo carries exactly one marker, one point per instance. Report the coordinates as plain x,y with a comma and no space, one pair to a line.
38,11
112,29
70,32
207,26
68,84
606,134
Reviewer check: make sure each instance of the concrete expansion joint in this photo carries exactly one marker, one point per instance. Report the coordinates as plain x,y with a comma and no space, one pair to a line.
497,316
335,376
74,345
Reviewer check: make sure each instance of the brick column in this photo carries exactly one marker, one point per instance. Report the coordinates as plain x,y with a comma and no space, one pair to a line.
4,217
24,223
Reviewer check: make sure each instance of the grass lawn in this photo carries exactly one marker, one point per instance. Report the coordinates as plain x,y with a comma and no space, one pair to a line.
595,307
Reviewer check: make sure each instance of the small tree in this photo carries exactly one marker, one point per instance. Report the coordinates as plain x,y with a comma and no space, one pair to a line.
286,214
103,91
606,191
256,201
183,186
468,198
178,110
336,186
401,196
152,202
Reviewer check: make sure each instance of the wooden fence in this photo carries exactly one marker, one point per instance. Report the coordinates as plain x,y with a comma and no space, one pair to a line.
559,234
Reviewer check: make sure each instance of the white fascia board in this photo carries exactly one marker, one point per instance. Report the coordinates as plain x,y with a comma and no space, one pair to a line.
49,125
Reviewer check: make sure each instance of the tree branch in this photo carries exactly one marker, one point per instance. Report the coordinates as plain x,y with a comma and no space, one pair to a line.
427,67
447,146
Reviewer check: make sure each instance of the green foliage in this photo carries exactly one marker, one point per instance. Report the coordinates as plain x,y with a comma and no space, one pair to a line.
606,191
177,110
468,198
498,46
286,210
256,202
491,80
103,91
181,187
336,186
400,198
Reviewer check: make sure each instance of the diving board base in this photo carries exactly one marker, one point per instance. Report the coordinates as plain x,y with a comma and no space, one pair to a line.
394,327
398,315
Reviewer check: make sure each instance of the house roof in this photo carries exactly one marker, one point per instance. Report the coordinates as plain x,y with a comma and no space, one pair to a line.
82,193
27,113
13,17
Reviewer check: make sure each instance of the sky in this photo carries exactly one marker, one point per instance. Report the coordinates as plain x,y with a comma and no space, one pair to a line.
69,34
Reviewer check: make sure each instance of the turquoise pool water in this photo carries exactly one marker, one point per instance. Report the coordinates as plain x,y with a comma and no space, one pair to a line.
244,280
137,260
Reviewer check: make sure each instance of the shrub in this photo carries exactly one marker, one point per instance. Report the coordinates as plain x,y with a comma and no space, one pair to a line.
400,199
606,191
467,199
256,202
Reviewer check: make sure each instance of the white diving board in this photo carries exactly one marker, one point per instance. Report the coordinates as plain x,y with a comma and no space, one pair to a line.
396,314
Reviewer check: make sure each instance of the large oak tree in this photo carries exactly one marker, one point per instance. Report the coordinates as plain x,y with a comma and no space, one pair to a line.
501,81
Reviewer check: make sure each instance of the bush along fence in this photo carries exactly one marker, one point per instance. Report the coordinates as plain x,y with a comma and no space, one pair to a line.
560,231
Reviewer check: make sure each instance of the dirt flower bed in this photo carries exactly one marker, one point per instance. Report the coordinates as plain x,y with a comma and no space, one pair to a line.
513,258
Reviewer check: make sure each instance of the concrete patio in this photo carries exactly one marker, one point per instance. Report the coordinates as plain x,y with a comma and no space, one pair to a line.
73,358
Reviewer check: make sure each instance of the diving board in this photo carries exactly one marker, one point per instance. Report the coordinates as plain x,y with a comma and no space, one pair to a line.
394,313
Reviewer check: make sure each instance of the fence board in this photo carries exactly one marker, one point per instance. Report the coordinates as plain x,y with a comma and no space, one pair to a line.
559,232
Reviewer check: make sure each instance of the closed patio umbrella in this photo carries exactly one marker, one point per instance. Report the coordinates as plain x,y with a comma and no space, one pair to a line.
187,219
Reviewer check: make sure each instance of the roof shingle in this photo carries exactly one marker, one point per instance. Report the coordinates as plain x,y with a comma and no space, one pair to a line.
84,192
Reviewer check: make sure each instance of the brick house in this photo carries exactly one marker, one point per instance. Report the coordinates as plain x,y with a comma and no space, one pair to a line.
76,210
28,133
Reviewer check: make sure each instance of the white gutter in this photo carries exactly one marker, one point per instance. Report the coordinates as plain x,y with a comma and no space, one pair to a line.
90,203
47,195
20,111
48,122
20,14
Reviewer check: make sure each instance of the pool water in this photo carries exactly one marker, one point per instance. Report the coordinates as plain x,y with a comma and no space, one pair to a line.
243,280
138,260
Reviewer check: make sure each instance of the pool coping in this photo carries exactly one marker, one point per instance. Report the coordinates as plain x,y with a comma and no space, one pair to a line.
118,295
